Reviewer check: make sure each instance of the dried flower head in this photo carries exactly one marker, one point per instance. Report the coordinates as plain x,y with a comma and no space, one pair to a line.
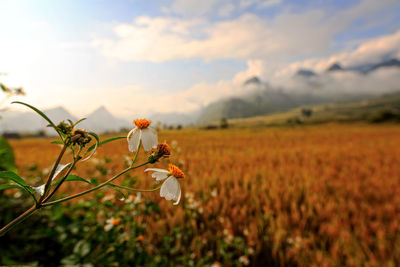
65,128
80,137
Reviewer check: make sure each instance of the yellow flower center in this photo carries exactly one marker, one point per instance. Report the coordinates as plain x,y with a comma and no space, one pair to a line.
175,171
115,221
142,123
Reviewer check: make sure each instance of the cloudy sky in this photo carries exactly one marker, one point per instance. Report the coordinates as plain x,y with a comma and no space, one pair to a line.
140,57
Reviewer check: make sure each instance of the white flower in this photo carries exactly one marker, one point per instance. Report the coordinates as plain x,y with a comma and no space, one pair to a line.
170,189
40,189
134,199
244,260
143,132
110,223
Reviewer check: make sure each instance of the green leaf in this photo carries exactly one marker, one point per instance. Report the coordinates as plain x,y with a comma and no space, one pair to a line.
7,175
6,186
57,142
95,136
6,157
79,121
115,187
72,177
20,186
37,111
106,141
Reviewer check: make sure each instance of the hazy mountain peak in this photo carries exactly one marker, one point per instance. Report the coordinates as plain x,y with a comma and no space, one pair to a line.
305,73
335,67
252,80
101,120
100,110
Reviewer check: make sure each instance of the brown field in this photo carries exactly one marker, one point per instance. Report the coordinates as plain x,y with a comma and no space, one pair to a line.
316,195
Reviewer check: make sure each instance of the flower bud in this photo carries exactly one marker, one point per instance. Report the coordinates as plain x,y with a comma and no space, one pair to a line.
80,137
162,151
64,128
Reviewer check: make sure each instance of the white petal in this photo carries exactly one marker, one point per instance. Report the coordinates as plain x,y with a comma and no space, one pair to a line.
39,189
149,139
138,198
108,227
60,168
179,195
159,176
156,170
133,139
155,137
171,190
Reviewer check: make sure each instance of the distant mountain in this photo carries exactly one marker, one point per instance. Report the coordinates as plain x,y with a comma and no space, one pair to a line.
378,109
58,114
367,67
101,120
256,103
16,121
253,80
175,118
388,63
361,68
335,67
269,100
29,122
305,73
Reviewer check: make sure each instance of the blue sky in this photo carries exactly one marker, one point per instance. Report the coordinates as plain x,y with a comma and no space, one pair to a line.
142,57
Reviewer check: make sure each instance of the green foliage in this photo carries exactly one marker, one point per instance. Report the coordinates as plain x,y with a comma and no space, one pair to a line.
6,175
385,115
6,157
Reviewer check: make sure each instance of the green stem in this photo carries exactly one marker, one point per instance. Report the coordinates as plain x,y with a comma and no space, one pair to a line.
17,220
137,153
48,183
62,180
135,189
94,188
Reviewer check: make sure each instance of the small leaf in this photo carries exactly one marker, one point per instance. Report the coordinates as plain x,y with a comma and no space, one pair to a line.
57,142
13,177
79,121
95,136
6,186
72,177
115,187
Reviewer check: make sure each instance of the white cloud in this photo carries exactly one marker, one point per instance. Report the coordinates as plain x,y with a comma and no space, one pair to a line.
369,52
192,7
226,10
259,3
381,81
248,37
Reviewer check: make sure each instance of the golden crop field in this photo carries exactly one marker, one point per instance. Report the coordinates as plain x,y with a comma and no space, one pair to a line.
326,195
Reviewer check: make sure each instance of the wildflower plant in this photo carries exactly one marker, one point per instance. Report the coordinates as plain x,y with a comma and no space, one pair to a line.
83,144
